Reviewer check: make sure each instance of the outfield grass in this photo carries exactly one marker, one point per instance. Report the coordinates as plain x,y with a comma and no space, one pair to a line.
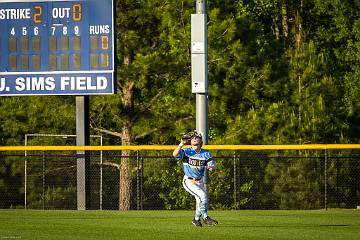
317,224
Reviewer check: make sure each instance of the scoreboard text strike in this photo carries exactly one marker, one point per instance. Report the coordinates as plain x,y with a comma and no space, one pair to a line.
57,47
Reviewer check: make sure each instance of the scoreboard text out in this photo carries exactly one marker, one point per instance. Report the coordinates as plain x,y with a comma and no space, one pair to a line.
57,47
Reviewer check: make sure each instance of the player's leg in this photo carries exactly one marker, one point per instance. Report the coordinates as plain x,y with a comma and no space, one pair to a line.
197,190
204,206
197,210
191,188
204,200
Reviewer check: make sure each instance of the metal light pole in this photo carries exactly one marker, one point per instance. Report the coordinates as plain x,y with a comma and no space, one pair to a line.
199,68
83,158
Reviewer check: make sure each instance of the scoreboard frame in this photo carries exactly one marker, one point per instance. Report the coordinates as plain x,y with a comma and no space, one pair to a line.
57,47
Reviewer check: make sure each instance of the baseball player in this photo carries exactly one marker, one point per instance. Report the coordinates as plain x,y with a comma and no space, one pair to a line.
195,160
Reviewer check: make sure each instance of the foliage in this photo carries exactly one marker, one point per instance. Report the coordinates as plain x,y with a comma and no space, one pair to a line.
11,190
295,183
55,198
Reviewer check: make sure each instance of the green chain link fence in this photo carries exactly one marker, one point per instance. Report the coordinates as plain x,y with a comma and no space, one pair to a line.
243,179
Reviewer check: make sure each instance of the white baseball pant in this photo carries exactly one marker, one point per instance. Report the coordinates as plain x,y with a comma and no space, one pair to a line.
198,189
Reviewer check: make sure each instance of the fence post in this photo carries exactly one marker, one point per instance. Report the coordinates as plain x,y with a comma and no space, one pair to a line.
43,180
137,181
325,179
25,174
141,183
101,176
235,180
25,180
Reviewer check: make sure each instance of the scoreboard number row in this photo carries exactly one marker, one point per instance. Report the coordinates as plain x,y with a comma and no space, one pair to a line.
61,52
53,43
64,30
58,62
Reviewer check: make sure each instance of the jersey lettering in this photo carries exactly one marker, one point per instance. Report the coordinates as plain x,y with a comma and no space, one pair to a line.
194,163
197,162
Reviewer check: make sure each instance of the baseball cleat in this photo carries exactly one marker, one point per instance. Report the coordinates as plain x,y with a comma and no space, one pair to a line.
210,221
196,223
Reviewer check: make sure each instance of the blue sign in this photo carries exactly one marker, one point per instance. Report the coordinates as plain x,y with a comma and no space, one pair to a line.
57,47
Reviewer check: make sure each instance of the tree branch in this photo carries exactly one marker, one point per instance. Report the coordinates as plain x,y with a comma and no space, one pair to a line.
111,164
146,133
184,119
116,134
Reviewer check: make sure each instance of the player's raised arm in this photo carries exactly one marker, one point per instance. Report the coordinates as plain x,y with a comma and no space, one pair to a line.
185,139
177,150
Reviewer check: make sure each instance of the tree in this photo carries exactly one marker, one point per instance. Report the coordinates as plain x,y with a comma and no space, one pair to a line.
335,34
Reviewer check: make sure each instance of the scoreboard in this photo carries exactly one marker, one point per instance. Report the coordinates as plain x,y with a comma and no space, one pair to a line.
57,47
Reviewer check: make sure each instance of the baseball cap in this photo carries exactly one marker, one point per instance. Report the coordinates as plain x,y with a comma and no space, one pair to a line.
196,134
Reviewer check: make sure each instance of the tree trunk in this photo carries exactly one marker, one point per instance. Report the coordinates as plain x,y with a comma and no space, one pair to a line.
276,29
298,28
298,40
127,95
125,172
284,17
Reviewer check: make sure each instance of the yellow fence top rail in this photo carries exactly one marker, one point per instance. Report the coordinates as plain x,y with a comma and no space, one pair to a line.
172,147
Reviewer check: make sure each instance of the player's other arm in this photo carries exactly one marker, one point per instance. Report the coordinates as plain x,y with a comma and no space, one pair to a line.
210,167
210,163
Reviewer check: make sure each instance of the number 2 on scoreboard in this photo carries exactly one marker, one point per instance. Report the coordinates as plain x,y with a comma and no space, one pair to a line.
38,14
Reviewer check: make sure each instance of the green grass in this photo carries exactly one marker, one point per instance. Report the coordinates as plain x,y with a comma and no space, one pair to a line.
154,225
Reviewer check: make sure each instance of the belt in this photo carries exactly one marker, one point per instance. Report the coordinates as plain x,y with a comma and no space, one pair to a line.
195,179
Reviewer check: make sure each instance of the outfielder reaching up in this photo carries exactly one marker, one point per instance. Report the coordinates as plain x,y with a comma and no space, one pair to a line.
195,160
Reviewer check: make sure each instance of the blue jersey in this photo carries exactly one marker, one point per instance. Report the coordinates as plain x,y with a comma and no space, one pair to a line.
194,163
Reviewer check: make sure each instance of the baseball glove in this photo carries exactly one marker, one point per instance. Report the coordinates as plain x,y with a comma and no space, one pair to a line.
186,138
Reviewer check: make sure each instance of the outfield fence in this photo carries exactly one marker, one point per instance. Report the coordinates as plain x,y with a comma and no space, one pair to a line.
246,177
